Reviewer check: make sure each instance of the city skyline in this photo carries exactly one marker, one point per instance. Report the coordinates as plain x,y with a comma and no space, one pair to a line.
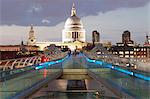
107,17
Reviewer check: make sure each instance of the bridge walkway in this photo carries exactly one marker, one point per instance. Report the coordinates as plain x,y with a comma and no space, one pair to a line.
97,78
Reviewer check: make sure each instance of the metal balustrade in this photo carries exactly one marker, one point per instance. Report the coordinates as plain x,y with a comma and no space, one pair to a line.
28,61
18,63
32,81
106,56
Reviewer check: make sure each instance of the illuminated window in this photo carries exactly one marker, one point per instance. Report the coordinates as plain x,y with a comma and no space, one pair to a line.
131,56
134,49
121,56
131,52
137,49
121,52
141,49
126,55
126,52
114,52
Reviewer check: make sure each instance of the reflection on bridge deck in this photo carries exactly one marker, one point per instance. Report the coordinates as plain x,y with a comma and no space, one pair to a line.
98,78
16,85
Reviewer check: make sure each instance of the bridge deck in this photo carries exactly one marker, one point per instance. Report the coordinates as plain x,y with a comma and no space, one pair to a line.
108,80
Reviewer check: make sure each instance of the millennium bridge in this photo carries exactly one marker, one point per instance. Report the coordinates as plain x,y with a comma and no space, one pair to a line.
86,75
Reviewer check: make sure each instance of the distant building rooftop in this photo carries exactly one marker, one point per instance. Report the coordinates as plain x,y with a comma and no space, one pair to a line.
17,47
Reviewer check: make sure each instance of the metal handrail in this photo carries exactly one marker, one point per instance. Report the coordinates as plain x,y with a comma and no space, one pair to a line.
104,82
30,90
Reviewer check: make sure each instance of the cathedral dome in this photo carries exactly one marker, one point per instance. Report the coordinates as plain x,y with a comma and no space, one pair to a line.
73,29
73,22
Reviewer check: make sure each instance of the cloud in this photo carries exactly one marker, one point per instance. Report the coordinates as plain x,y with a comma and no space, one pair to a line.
110,25
45,21
25,12
15,34
35,9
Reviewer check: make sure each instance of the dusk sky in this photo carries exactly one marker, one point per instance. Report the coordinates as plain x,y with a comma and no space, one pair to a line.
109,17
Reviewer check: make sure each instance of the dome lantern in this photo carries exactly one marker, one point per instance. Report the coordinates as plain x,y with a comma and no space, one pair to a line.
73,11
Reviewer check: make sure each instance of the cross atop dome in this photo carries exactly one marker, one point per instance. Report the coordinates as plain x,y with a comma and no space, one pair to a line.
73,11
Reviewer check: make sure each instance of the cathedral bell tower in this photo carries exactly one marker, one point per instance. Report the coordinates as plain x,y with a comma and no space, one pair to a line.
31,37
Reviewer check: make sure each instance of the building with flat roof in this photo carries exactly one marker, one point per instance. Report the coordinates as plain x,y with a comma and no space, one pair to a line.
95,37
127,49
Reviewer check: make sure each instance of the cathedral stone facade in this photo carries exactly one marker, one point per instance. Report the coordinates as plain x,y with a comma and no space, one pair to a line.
73,29
73,34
